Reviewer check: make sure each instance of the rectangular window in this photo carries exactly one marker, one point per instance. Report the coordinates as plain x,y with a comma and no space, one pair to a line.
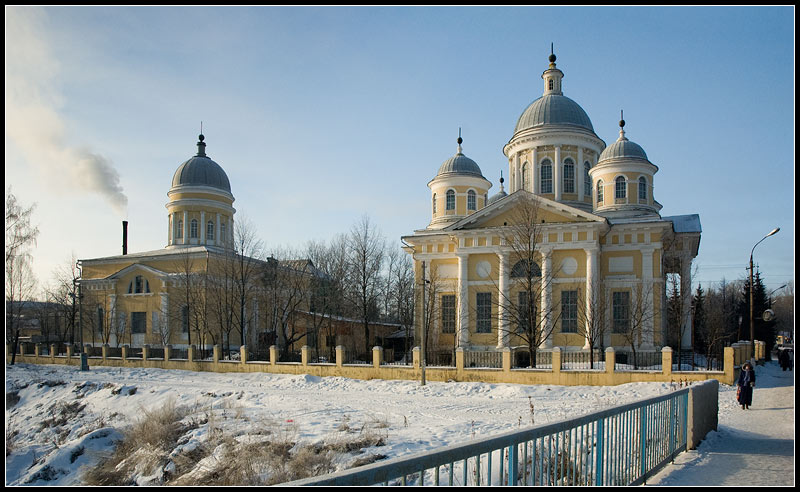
620,306
449,314
569,311
484,319
138,322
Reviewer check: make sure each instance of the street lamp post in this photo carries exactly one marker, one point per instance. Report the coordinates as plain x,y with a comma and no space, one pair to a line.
752,308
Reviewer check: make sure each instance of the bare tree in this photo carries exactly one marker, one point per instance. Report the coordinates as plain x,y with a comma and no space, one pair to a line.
404,300
20,280
593,318
522,236
634,317
285,291
248,250
366,250
327,288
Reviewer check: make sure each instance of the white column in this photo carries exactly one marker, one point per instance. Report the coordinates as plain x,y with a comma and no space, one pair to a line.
557,174
534,171
591,291
217,238
547,295
463,300
647,289
164,312
502,317
185,227
686,298
579,173
202,227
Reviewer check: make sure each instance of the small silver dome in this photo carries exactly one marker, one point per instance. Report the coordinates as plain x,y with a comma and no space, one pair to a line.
497,196
460,164
200,170
553,109
623,148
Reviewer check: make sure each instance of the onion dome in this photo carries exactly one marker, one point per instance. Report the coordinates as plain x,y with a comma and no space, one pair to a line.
623,148
200,170
460,164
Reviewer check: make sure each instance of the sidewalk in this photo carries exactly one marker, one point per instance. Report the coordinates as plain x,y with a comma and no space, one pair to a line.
752,447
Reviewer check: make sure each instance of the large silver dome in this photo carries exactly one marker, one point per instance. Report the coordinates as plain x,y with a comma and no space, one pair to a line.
200,170
553,109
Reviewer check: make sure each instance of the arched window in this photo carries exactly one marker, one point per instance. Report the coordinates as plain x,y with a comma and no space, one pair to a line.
139,285
546,177
222,235
550,84
210,230
525,269
599,191
569,176
179,232
620,188
587,180
434,203
193,229
642,188
524,179
485,199
450,204
471,200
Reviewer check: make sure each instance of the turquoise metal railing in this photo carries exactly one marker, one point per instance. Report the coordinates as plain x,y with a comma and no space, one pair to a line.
622,445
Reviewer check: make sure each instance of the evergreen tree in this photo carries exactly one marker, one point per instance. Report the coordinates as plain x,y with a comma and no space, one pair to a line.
764,330
700,341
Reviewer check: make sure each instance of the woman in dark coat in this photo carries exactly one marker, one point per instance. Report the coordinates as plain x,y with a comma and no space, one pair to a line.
746,383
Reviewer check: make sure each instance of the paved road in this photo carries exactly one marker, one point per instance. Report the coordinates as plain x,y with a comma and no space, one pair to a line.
750,447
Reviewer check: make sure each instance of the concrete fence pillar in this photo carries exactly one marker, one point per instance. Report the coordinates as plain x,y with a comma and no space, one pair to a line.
729,357
415,357
145,352
87,349
124,353
460,359
215,353
243,354
273,354
611,359
556,359
666,361
167,351
190,353
304,355
37,350
377,355
69,351
104,351
339,355
52,350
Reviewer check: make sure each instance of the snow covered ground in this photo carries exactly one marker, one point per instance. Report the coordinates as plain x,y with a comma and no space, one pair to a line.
59,420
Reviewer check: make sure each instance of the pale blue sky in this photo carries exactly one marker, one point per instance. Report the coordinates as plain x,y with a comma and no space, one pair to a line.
319,115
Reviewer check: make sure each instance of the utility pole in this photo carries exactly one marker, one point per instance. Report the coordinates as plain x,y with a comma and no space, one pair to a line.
423,329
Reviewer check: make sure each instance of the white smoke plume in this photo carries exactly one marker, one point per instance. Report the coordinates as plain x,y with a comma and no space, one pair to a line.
33,121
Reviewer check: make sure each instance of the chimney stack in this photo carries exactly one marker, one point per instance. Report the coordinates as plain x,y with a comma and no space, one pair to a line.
124,237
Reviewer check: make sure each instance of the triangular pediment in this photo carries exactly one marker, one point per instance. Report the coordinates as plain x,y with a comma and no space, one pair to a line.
137,268
507,211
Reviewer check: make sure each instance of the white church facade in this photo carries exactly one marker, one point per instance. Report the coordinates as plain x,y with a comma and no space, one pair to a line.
575,249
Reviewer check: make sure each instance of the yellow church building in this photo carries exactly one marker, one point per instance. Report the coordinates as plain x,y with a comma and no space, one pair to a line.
575,254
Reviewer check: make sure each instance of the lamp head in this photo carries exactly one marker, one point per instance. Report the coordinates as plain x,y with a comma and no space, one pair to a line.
774,231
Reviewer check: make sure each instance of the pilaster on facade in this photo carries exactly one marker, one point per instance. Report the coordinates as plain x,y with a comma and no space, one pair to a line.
462,326
502,315
547,296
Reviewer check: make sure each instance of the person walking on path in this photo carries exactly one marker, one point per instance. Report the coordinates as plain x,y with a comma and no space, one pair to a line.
745,385
783,358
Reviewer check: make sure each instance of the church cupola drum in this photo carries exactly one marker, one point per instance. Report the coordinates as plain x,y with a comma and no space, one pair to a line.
200,203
